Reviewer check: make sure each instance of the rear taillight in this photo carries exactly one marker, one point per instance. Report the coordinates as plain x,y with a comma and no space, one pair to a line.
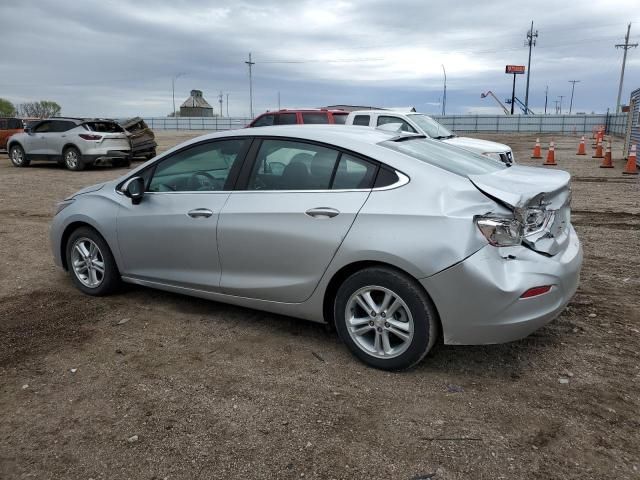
535,291
90,136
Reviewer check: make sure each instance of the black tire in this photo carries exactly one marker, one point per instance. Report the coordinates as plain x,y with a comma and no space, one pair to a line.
421,309
110,281
18,157
72,159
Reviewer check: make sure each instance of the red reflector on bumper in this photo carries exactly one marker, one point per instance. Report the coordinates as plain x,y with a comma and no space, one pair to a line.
535,291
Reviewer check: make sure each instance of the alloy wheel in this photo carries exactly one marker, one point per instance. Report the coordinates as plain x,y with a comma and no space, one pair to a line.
71,159
379,322
17,156
88,262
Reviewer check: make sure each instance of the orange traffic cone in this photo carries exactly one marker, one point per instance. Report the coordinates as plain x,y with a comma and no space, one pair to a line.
598,138
607,163
598,153
551,155
581,147
536,150
630,168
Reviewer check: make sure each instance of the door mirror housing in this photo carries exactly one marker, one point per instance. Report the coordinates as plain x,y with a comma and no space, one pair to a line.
134,189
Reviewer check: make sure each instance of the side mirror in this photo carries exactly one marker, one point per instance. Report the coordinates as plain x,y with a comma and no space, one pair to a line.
134,189
27,130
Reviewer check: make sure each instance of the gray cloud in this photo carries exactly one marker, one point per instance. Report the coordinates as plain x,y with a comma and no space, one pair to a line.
112,58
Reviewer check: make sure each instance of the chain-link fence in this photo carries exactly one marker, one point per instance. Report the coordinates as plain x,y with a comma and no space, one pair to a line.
196,123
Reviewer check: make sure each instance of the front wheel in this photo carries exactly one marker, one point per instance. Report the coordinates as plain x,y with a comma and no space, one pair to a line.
385,318
18,157
91,264
73,159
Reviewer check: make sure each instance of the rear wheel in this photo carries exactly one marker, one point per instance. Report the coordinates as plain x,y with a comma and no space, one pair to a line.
18,157
91,264
385,318
73,159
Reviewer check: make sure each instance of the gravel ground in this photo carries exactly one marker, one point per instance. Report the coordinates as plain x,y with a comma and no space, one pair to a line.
152,385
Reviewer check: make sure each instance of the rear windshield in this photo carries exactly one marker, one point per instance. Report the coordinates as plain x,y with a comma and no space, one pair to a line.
449,158
340,118
104,127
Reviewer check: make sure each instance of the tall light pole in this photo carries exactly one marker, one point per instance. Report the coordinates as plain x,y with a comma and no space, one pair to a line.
220,101
444,93
561,97
173,91
546,97
625,46
531,41
573,86
250,64
227,105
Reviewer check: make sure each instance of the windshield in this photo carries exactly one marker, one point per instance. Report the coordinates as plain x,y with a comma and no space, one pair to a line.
431,127
450,158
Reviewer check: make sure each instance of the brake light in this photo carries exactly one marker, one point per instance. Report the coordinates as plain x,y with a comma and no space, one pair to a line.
535,291
89,136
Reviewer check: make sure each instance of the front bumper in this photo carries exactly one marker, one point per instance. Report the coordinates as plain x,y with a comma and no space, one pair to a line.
479,300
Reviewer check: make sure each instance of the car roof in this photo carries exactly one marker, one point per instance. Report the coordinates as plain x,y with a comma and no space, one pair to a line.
385,112
305,110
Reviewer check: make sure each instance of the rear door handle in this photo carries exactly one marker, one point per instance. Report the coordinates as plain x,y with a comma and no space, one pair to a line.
322,212
200,213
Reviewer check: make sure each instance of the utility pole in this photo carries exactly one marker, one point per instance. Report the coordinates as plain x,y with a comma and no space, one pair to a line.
561,97
173,91
546,96
573,86
444,94
531,41
220,102
556,102
251,64
227,105
625,46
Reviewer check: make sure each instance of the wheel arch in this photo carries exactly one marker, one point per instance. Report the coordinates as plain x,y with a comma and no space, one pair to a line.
343,273
69,229
69,145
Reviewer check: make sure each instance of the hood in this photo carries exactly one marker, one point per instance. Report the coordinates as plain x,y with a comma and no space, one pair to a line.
533,193
92,188
477,145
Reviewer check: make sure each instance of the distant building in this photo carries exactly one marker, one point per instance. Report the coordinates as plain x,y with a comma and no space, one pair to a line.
196,106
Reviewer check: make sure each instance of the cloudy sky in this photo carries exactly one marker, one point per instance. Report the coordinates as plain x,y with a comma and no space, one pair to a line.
117,58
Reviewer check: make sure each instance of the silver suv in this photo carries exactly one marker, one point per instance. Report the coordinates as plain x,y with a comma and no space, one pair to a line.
72,142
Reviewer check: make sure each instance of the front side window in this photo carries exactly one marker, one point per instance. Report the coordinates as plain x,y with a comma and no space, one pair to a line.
404,126
362,120
264,120
43,127
315,118
203,167
286,119
290,165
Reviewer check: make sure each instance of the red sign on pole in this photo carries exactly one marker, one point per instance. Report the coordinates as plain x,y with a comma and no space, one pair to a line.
515,69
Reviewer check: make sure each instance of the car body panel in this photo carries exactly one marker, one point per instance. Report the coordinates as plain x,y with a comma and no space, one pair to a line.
424,227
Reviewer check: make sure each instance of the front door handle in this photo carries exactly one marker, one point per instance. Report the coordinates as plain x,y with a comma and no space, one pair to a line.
322,212
200,213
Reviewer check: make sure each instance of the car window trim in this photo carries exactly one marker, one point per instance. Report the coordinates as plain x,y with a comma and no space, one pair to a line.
229,184
251,158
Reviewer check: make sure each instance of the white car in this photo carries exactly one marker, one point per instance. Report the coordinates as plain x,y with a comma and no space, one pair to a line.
427,126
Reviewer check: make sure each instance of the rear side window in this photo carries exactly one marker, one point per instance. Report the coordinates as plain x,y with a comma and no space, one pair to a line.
362,120
340,118
286,119
14,124
59,126
354,173
315,118
104,127
291,165
43,127
385,178
449,158
264,120
404,126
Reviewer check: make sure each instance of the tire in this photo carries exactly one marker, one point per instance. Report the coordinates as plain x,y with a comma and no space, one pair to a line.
73,159
411,331
18,157
105,283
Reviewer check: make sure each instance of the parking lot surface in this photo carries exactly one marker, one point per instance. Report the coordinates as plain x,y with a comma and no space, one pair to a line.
147,384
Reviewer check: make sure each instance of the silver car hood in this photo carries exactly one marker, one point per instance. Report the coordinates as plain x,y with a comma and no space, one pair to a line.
89,189
477,145
524,188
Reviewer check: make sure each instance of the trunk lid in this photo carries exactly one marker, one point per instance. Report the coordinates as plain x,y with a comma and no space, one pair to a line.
533,191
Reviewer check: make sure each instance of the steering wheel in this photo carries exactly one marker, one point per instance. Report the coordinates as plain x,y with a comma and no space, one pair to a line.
202,180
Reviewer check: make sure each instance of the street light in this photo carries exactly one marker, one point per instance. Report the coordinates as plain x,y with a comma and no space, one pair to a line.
444,94
173,90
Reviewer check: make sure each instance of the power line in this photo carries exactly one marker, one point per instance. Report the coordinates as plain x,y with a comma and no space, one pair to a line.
573,86
625,46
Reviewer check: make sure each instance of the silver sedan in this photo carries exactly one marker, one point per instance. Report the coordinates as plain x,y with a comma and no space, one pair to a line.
397,240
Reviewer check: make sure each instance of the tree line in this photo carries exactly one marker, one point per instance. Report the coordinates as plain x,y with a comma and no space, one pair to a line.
40,109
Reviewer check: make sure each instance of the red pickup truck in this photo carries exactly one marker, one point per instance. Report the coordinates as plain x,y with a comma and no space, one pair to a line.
296,117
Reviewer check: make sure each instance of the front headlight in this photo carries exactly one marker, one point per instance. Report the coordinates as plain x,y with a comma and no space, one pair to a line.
536,220
64,204
500,231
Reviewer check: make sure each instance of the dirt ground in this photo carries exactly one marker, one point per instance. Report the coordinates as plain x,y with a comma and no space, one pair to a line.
215,391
